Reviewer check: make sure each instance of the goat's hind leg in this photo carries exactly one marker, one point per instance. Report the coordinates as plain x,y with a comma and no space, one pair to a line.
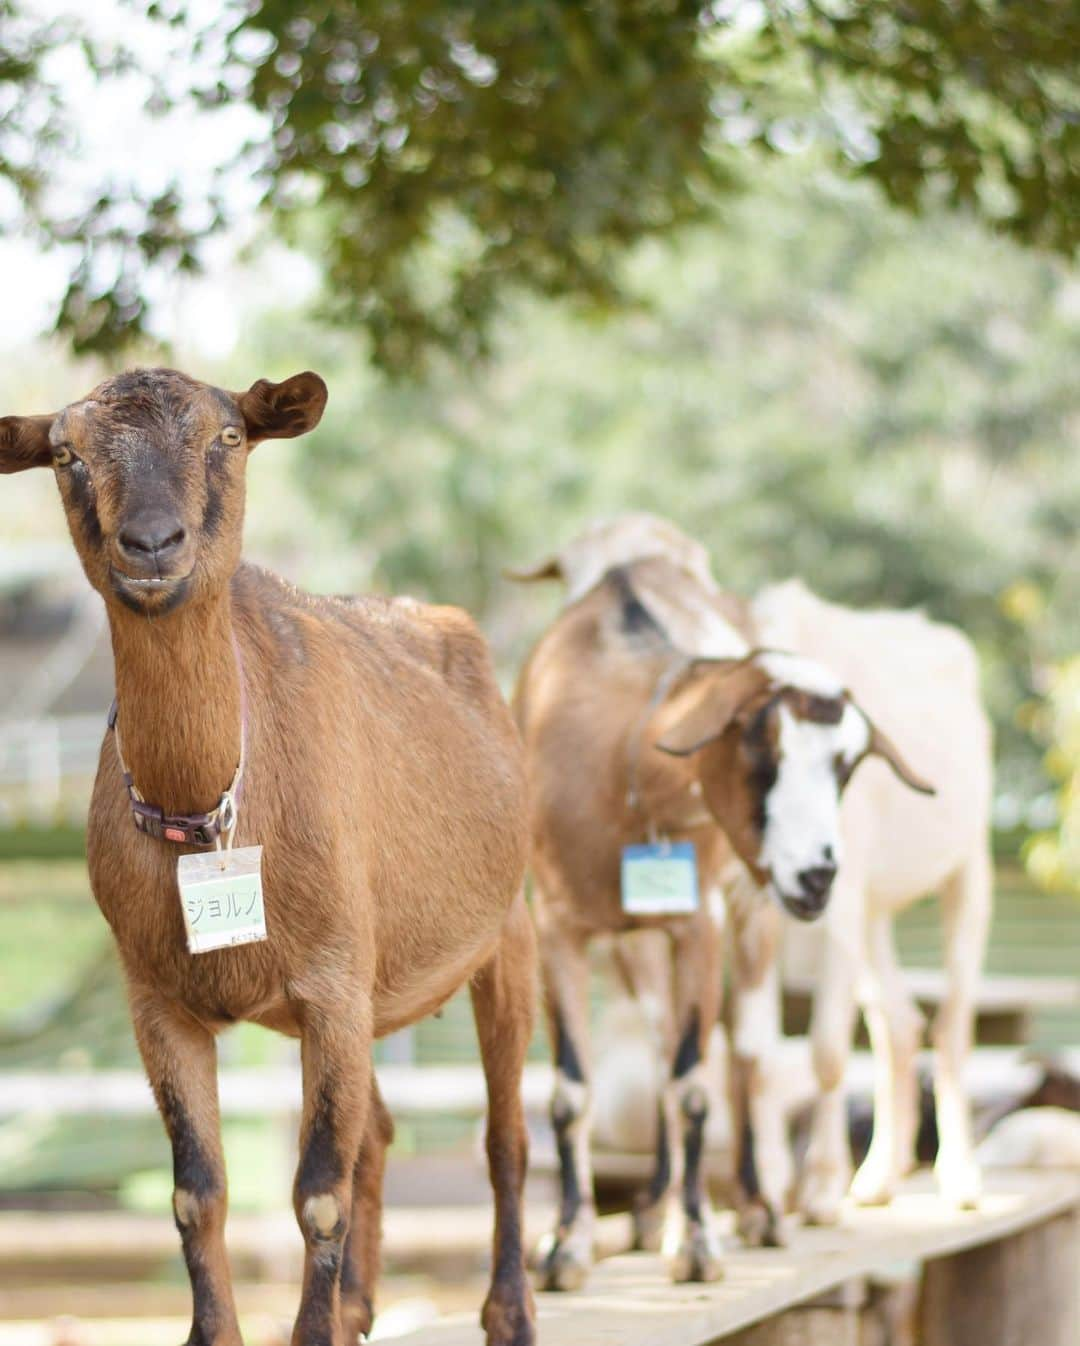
697,987
565,1257
642,961
360,1263
966,903
504,997
181,1063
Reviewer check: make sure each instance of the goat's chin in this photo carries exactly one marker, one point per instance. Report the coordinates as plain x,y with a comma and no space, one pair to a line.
799,907
150,597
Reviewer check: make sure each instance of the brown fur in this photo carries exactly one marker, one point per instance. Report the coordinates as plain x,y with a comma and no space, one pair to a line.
584,707
383,779
626,737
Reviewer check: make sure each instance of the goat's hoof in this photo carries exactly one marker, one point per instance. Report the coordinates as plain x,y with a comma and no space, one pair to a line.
509,1319
821,1198
873,1185
563,1262
357,1317
760,1225
698,1258
648,1219
960,1183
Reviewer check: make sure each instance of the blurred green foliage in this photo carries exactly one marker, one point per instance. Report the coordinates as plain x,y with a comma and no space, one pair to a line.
884,406
456,150
1054,856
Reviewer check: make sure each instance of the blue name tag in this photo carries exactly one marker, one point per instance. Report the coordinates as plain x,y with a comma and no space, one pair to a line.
660,880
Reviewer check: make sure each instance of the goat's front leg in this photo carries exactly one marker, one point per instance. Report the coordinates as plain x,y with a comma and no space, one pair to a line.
827,1166
504,998
360,1265
696,965
335,1050
181,1063
565,1257
896,1026
765,1172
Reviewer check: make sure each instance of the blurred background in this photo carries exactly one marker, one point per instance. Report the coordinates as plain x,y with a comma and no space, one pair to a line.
803,280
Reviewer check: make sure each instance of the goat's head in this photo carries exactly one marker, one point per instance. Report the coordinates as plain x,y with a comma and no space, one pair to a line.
775,739
606,543
150,468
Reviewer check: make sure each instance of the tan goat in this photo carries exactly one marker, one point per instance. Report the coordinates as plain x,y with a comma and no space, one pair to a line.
757,747
364,745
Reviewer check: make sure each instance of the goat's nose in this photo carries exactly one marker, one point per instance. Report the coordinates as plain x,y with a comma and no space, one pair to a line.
816,883
152,535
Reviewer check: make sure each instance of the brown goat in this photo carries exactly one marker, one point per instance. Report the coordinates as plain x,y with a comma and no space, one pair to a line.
756,748
381,774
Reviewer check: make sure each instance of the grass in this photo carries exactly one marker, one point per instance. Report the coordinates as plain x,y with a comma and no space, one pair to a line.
49,928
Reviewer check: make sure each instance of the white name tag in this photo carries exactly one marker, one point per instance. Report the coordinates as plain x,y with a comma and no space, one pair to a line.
221,897
660,880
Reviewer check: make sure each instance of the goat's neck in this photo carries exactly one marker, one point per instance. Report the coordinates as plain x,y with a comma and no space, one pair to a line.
179,702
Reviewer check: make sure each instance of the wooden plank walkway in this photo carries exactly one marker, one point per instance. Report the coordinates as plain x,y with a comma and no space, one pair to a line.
629,1301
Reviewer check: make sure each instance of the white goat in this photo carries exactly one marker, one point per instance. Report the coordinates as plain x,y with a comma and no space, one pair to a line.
919,682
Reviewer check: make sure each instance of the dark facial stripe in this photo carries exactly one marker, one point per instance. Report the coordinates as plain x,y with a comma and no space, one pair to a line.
763,763
82,497
216,476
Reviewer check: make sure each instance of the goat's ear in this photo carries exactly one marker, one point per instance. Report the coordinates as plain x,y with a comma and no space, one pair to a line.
283,410
883,746
701,713
24,442
551,569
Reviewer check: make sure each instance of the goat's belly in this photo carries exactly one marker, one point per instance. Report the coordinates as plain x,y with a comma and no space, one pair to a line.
404,1001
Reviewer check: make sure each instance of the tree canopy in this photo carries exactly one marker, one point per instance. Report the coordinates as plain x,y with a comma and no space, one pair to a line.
457,150
883,405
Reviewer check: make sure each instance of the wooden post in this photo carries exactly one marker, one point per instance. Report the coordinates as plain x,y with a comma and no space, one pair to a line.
1020,1290
831,1319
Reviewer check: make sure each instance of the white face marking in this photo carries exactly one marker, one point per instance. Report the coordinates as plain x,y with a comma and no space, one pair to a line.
794,670
802,810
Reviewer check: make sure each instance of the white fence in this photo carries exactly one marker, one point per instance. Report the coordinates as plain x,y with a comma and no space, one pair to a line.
47,767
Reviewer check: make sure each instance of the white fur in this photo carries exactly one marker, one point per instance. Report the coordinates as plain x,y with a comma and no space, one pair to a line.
793,670
757,1019
628,537
692,623
1034,1138
918,683
802,810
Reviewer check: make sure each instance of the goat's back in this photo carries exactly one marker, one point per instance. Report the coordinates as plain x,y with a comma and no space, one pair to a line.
581,704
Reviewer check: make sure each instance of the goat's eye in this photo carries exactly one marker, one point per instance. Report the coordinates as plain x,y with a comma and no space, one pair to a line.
63,455
232,435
